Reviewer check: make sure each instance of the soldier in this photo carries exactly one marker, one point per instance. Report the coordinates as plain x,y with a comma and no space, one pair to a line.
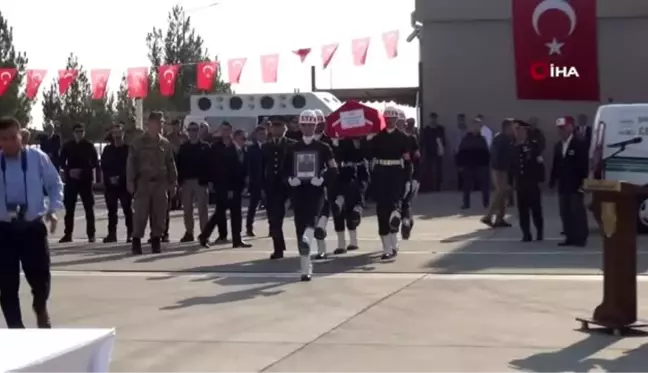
151,176
325,214
78,159
415,158
306,162
390,154
113,166
274,184
528,170
176,137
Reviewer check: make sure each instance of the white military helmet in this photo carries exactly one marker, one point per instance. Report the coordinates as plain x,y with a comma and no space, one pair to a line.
320,115
401,114
308,117
391,112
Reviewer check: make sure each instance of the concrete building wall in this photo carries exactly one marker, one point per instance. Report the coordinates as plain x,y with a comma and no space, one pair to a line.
468,62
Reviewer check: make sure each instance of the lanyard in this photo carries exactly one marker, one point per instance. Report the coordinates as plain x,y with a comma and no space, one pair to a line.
23,164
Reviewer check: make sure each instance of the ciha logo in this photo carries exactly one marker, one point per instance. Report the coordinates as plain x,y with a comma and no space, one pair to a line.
546,70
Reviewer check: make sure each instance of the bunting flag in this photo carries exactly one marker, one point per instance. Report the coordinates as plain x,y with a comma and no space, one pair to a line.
34,80
328,51
137,80
65,80
99,82
360,47
269,67
235,69
167,76
302,53
7,76
390,41
206,71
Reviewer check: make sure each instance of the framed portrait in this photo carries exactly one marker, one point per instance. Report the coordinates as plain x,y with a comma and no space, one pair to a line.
306,165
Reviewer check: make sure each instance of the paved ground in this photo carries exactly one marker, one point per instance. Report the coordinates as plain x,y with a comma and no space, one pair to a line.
458,298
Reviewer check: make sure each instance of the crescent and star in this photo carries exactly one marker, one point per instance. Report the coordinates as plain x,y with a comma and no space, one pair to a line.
169,75
208,70
563,6
7,75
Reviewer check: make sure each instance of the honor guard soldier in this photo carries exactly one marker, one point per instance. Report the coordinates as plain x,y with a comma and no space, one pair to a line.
528,170
415,158
113,165
390,154
275,174
79,159
348,200
325,214
306,164
151,176
30,194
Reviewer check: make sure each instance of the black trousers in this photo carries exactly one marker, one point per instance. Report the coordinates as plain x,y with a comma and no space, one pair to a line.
476,177
389,187
25,246
226,200
529,202
276,211
71,192
435,165
119,195
574,216
255,200
353,196
307,205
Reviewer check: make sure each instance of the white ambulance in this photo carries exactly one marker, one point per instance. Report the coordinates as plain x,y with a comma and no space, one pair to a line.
619,149
246,111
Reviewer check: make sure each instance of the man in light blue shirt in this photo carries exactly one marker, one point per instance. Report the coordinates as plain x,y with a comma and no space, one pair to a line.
27,175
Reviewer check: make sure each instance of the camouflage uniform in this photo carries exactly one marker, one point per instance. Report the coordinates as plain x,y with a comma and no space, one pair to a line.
151,173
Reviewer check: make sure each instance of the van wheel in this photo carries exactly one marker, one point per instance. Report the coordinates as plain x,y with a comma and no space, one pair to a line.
642,215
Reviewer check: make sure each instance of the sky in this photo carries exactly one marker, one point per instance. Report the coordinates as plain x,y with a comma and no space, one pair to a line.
111,35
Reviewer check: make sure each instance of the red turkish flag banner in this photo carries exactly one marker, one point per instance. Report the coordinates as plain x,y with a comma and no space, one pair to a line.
34,80
360,47
328,51
99,82
167,76
65,80
7,76
137,81
390,41
235,68
269,68
302,53
205,73
556,55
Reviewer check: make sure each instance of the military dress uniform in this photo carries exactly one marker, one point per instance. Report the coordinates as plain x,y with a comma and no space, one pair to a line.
529,172
329,195
276,191
151,175
414,182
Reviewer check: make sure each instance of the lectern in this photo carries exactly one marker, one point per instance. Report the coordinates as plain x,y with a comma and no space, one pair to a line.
618,210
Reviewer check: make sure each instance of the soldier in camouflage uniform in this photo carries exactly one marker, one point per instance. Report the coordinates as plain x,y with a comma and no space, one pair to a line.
151,177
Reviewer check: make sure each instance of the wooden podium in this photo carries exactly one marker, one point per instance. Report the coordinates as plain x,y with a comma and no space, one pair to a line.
618,210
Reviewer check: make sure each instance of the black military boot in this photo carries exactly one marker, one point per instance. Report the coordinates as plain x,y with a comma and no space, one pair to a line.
156,245
136,246
66,238
42,319
276,255
204,241
340,251
352,248
165,238
110,238
188,237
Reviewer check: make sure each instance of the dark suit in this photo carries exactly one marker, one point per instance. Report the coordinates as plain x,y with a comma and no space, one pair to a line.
276,189
568,172
529,172
254,163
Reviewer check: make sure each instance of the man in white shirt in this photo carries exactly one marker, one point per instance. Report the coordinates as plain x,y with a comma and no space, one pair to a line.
485,131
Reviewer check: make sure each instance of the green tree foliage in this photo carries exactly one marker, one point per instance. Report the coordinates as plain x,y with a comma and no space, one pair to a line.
13,102
124,106
178,44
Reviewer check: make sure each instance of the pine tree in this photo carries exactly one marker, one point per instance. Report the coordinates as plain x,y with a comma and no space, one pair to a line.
52,104
13,102
178,44
124,106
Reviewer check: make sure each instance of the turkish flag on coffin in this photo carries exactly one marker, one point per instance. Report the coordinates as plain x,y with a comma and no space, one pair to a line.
354,119
552,40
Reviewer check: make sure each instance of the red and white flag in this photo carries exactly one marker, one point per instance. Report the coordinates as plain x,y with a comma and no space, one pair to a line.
556,55
328,51
167,76
390,41
99,82
137,80
302,53
235,69
360,49
34,80
7,76
205,73
65,80
269,68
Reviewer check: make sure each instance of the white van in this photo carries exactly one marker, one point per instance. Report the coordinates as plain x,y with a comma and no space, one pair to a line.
619,149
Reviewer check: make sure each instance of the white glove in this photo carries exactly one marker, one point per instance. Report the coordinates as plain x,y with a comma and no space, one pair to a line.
370,136
415,186
317,181
294,182
408,186
335,142
339,201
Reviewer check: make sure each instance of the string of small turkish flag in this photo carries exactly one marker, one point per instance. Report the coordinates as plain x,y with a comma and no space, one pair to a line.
137,78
